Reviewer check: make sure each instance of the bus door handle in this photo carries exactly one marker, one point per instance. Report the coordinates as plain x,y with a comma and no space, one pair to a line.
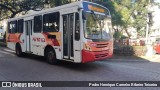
78,50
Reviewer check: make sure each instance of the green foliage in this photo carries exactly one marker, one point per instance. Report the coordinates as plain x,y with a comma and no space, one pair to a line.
9,8
126,13
54,3
139,50
130,50
140,16
117,35
123,50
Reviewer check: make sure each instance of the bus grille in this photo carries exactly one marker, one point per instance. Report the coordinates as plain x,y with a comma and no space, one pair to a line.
102,45
101,55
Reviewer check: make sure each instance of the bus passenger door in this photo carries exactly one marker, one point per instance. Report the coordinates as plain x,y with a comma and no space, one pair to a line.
71,37
68,21
28,30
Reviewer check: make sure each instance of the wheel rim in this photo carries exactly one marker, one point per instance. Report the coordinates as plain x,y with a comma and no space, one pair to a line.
50,55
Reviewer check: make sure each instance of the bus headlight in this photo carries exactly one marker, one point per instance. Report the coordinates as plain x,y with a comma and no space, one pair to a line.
86,47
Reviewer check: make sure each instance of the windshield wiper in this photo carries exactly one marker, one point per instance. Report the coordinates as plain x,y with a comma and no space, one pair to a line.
96,19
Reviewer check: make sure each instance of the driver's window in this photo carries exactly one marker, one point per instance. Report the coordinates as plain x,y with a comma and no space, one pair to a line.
77,27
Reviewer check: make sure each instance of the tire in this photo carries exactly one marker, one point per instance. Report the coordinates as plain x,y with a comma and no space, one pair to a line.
51,56
19,51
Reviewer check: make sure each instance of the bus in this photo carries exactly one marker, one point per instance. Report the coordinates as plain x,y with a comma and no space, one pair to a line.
78,32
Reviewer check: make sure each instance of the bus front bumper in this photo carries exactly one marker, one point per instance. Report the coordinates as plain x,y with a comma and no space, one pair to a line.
90,56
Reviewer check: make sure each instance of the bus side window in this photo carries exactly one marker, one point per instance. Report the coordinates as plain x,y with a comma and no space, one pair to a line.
20,26
51,22
77,27
38,24
13,27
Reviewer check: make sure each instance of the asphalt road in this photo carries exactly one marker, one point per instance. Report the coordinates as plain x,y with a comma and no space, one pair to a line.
34,68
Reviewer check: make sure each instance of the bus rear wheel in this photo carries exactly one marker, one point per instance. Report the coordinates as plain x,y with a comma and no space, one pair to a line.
51,56
19,51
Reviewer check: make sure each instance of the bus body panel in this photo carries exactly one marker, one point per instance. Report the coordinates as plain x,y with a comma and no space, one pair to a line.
12,40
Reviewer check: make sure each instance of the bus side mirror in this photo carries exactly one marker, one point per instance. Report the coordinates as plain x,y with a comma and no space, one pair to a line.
80,8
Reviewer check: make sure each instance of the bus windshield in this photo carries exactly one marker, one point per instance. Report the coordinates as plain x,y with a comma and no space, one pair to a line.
96,26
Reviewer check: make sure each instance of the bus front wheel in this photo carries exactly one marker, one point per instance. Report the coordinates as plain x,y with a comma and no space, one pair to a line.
51,56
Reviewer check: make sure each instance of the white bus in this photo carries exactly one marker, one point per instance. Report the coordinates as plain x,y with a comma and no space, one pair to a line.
79,32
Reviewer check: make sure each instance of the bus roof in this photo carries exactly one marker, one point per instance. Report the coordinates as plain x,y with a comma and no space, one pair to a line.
54,9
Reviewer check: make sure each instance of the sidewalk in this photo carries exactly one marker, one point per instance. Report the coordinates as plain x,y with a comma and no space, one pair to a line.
154,58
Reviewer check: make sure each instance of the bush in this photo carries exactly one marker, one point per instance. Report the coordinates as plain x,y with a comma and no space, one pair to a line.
123,50
139,50
130,50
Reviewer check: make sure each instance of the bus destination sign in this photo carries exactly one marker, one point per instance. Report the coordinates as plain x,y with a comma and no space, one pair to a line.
94,7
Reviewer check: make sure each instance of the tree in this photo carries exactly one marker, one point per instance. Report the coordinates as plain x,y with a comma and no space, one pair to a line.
10,8
128,13
140,16
59,2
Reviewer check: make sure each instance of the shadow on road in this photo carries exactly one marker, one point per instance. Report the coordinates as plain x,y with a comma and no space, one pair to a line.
89,66
69,65
81,66
34,57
